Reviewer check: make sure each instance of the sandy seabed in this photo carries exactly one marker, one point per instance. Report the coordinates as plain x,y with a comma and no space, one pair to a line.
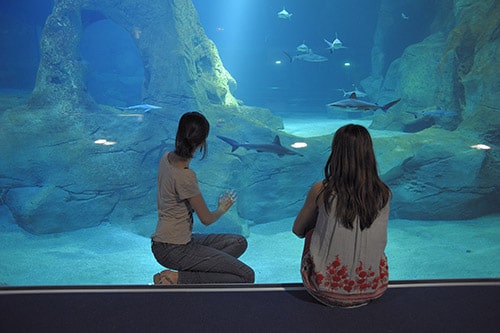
110,255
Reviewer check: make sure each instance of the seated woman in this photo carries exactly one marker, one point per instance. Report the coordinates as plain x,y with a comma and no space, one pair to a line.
210,258
344,220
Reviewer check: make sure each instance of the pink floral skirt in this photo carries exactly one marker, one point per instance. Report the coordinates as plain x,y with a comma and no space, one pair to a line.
336,288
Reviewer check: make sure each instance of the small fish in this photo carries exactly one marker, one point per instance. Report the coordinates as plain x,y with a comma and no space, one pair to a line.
353,103
143,107
404,16
307,57
284,14
275,147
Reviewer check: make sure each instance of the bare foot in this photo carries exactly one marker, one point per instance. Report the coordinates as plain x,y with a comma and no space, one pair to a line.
166,277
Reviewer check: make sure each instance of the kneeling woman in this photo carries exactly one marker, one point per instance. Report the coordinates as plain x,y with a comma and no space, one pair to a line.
344,220
211,258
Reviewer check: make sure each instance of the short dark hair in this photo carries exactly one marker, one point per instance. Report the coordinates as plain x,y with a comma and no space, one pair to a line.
192,133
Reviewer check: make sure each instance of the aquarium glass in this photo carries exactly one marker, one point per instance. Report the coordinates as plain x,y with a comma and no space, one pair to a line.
90,96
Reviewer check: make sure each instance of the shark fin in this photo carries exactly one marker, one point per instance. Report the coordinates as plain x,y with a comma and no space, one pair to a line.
388,105
277,140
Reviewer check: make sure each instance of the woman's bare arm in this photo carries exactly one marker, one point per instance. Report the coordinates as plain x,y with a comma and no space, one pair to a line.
206,216
306,219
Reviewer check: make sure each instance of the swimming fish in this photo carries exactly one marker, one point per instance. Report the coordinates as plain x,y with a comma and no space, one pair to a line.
143,107
303,48
356,104
335,45
275,147
308,57
284,14
355,91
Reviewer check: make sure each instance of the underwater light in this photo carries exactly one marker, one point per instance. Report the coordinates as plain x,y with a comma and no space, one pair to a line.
347,64
104,142
481,147
278,62
299,145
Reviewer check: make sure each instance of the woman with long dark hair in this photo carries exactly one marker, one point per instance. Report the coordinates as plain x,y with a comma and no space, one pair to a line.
193,258
344,220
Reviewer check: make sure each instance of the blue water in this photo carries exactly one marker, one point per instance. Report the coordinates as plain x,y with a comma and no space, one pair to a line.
251,41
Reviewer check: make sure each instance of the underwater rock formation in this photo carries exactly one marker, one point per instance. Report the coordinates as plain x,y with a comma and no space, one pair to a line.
418,78
425,171
55,177
458,71
182,66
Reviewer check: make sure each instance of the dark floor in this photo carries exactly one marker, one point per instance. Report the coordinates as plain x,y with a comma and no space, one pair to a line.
424,306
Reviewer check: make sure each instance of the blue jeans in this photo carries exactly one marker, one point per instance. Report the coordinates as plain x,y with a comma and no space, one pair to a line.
206,259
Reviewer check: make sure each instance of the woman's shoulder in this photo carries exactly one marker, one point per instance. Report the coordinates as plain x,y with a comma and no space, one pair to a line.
316,188
314,192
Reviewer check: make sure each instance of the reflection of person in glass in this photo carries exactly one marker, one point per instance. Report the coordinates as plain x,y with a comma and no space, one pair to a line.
344,220
210,258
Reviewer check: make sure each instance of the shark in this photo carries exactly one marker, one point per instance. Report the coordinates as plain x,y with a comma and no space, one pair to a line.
283,14
310,56
356,91
143,107
303,48
335,45
353,103
274,148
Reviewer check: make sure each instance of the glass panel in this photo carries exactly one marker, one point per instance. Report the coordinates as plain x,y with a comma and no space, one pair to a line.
78,173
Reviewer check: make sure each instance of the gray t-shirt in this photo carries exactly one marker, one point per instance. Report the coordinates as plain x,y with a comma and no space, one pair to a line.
175,215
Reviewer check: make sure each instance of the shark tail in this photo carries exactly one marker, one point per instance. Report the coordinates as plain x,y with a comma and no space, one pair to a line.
289,56
234,144
388,105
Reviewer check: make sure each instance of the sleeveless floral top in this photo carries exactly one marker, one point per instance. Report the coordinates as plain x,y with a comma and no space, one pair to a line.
346,267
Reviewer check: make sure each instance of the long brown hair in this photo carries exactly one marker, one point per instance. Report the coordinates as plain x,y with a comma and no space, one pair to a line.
351,176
